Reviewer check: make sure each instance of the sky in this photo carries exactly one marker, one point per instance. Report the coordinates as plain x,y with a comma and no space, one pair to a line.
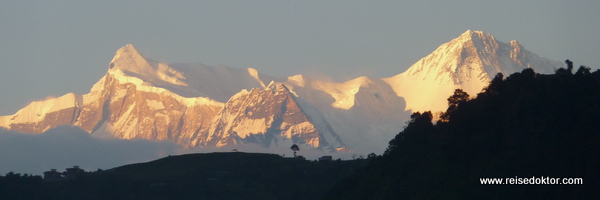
50,48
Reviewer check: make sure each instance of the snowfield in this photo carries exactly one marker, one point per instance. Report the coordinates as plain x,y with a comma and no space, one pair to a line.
204,106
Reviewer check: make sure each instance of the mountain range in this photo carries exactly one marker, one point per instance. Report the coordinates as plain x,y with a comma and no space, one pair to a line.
206,106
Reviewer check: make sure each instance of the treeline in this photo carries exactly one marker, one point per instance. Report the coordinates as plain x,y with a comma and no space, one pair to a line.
233,175
526,125
20,186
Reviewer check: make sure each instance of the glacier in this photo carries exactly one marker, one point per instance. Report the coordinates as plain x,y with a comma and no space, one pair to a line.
200,106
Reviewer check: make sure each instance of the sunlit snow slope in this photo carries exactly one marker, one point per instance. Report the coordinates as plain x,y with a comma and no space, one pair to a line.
204,106
468,62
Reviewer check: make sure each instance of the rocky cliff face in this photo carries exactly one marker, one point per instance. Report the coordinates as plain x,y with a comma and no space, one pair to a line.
202,106
123,111
270,116
40,116
140,98
120,110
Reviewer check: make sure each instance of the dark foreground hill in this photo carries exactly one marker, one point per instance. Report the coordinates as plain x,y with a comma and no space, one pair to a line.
526,126
197,176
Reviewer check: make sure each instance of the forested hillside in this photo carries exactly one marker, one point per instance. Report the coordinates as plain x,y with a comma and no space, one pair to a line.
234,175
523,126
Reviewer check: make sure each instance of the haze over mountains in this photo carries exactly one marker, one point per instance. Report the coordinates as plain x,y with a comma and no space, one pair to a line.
204,106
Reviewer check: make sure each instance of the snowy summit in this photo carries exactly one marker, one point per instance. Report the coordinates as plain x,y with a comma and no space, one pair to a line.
204,106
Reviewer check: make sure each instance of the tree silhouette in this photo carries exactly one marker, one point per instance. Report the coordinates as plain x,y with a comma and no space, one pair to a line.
494,87
295,148
458,97
528,73
415,115
569,65
522,125
371,155
583,70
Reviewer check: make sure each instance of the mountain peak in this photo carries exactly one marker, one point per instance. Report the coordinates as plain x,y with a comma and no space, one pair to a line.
467,33
470,35
468,62
129,47
127,50
129,59
277,88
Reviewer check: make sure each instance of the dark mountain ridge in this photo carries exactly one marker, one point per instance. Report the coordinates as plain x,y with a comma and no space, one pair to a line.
524,126
527,125
233,175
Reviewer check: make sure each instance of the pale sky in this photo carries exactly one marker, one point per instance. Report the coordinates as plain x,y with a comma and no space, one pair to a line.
50,48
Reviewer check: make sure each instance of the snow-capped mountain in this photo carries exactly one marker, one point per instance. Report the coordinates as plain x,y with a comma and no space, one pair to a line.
365,112
468,62
270,116
140,98
204,106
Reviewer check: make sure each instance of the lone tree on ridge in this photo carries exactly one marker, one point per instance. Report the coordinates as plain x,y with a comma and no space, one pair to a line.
295,148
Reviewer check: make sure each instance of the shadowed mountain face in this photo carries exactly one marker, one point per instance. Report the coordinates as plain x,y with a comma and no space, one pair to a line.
203,106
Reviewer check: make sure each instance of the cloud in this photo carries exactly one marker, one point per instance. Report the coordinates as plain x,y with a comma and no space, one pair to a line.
66,146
